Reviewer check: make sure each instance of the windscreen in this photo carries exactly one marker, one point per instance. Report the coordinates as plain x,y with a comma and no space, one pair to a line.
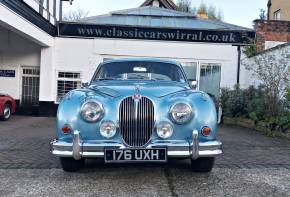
156,71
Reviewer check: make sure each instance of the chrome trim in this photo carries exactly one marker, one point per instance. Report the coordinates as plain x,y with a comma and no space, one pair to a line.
175,148
135,117
178,153
62,153
93,154
195,144
77,146
209,153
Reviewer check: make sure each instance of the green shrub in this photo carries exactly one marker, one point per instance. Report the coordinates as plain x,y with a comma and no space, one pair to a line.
253,116
233,102
254,103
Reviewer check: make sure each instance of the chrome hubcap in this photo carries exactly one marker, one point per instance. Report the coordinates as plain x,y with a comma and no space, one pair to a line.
7,112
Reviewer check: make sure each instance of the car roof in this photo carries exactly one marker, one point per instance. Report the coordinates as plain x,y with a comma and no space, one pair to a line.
143,60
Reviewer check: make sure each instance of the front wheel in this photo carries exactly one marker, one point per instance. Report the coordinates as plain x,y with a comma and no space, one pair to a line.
7,111
203,164
71,165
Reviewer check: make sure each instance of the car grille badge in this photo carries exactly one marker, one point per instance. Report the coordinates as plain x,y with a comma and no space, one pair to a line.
137,96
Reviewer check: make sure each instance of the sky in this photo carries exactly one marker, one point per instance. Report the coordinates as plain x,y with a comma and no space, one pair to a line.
238,12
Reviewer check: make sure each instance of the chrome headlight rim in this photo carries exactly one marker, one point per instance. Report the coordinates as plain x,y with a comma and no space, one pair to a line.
112,133
172,110
162,123
101,107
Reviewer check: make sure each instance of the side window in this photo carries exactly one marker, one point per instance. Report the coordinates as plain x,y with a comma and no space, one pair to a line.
66,82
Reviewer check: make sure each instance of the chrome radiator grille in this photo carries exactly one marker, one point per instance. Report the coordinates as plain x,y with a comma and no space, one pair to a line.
136,121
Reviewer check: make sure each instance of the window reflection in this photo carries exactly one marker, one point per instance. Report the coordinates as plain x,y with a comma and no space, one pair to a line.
210,77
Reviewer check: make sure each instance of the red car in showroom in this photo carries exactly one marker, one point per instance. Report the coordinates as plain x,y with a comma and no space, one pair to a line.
7,106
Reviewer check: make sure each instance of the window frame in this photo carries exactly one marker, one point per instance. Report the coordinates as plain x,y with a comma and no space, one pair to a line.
276,14
58,98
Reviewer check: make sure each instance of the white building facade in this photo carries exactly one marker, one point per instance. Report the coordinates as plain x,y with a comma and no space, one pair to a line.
42,59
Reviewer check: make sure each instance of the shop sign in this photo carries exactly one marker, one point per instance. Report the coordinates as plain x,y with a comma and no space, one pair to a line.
7,73
165,34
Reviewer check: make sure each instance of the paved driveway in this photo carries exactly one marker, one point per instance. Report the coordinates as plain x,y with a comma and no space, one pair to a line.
24,143
252,165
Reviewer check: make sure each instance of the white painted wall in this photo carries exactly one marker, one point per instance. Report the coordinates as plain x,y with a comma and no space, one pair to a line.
83,55
247,77
16,51
271,44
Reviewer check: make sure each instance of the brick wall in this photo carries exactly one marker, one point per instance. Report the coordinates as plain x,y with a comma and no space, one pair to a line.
271,31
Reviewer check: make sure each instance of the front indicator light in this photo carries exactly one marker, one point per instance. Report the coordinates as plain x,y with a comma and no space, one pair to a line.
66,129
108,129
164,130
206,131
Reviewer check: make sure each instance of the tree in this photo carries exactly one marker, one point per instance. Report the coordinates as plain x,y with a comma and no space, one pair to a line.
202,9
214,14
272,72
75,15
210,11
184,5
263,14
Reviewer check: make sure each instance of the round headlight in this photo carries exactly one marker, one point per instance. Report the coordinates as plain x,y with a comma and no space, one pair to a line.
92,111
181,113
108,129
164,130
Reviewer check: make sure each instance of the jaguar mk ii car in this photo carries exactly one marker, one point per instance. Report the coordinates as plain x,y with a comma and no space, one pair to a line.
7,106
137,110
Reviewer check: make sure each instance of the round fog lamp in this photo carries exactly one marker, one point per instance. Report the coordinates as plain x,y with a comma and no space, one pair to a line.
108,129
164,130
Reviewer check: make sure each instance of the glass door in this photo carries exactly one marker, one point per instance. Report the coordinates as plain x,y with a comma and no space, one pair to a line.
210,77
30,86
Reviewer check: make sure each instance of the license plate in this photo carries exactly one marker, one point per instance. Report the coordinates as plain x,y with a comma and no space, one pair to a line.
135,155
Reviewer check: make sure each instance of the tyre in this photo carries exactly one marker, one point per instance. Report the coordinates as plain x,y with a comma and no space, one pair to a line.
71,165
7,111
202,164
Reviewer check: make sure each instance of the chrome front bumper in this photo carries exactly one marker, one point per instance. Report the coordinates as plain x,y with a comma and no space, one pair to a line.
175,149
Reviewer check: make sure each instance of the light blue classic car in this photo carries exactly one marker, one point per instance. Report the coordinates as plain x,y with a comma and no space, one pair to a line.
137,110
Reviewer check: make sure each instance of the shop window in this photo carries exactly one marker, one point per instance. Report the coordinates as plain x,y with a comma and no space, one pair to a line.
66,82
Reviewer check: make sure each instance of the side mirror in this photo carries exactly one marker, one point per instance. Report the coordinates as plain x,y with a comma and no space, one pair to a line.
193,84
85,85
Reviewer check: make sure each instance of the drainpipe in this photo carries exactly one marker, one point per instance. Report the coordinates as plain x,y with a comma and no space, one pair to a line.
60,10
239,65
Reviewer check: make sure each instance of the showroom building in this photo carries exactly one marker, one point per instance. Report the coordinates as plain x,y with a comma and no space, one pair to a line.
41,59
